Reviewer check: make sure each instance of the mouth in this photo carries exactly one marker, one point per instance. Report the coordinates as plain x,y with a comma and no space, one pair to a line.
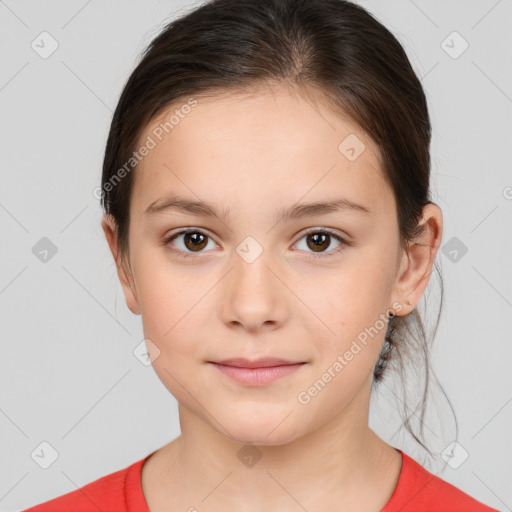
263,362
258,372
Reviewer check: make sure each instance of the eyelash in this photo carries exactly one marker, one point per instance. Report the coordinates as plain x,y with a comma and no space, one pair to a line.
167,241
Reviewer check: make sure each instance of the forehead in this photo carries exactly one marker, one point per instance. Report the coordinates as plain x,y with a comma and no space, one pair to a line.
278,143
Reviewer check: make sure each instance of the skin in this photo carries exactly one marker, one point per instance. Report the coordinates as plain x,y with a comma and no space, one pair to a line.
255,154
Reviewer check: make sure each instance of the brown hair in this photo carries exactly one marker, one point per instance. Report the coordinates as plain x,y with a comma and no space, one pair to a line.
332,47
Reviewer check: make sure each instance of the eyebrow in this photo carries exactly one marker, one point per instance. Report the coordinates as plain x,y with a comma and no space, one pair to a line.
296,211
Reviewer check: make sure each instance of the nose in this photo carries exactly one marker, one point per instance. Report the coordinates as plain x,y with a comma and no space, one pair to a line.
253,297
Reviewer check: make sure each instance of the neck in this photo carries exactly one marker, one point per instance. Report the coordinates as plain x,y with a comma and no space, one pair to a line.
343,464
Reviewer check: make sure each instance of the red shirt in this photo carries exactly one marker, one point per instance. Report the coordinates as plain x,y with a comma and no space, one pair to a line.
417,490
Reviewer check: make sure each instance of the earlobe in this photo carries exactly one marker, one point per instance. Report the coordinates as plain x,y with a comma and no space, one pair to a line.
417,262
400,292
125,276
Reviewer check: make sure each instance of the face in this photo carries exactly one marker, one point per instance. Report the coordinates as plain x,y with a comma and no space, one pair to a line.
312,286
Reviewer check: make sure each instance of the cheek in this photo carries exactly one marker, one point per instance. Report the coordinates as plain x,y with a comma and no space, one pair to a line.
354,307
347,297
165,290
172,309
350,317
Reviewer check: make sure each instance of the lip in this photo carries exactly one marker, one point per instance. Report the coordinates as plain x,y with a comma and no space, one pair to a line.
262,362
259,372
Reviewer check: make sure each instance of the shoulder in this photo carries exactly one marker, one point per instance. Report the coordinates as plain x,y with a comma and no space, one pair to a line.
419,490
120,491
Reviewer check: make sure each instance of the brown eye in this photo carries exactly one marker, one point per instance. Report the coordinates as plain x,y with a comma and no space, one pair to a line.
320,240
186,242
195,241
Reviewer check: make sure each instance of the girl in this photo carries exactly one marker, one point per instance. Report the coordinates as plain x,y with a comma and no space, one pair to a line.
267,204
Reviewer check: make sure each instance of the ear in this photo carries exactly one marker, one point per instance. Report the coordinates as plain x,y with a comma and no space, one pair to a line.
124,273
418,260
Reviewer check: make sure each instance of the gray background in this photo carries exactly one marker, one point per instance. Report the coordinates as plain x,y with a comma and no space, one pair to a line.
68,375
